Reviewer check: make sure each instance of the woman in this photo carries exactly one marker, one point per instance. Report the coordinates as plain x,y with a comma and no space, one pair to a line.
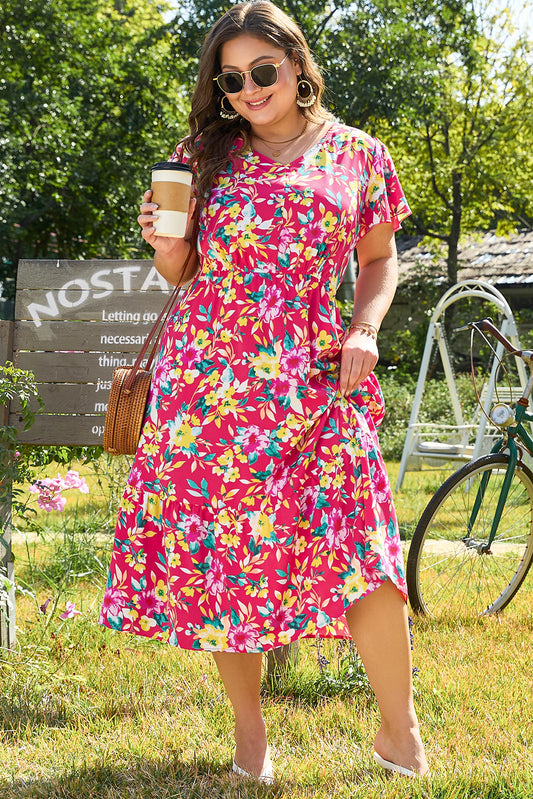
258,509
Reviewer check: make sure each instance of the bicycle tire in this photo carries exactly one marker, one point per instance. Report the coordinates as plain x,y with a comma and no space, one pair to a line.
447,572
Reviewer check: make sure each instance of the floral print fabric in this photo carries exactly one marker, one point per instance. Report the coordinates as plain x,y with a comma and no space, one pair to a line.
258,507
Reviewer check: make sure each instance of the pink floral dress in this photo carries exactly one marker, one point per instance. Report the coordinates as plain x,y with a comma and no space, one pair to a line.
258,507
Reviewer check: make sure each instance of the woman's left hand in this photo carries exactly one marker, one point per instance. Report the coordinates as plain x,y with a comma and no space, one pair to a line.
358,358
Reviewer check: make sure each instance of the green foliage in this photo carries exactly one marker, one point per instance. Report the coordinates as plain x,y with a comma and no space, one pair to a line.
346,676
524,322
15,385
466,161
383,58
88,100
436,406
19,463
40,456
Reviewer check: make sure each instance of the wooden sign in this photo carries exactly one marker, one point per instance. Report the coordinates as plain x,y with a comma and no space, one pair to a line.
75,321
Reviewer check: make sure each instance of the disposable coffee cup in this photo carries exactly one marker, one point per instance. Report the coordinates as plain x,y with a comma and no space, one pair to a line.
171,190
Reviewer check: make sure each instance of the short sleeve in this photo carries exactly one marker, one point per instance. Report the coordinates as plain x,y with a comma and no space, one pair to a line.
382,200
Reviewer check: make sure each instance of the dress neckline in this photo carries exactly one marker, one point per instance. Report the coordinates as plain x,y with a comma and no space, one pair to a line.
325,136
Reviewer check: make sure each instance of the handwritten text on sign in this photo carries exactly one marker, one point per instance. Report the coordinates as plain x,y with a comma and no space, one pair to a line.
99,285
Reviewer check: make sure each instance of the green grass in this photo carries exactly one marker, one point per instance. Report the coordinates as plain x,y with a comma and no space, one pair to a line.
86,712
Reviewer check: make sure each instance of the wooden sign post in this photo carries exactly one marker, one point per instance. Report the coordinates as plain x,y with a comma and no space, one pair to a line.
7,589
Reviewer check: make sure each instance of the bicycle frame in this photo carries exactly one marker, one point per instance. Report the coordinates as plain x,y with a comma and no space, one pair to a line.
515,431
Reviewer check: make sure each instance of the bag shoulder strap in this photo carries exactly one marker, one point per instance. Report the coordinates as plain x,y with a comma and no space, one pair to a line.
158,326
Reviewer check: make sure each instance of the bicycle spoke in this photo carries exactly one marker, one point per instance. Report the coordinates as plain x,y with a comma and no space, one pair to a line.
449,570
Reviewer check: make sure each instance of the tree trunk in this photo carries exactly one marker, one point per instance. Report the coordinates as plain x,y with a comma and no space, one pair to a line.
455,229
453,245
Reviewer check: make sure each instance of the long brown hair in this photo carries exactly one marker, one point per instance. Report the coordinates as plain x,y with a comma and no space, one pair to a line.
211,137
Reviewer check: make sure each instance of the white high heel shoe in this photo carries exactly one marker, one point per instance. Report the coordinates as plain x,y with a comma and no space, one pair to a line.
266,776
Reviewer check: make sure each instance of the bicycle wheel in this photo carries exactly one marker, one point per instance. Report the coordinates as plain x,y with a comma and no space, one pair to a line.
448,573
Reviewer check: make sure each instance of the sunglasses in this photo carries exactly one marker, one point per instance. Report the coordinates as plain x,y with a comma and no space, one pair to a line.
263,75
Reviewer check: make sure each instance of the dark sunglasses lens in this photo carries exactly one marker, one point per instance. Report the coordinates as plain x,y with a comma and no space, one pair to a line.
230,82
264,75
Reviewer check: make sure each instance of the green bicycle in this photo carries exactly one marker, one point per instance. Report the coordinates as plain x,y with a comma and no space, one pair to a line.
473,545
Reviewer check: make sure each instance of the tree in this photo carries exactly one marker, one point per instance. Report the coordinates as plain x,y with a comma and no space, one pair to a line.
88,100
382,57
467,162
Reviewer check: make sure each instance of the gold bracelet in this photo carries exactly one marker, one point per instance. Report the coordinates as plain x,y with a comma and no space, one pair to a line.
366,328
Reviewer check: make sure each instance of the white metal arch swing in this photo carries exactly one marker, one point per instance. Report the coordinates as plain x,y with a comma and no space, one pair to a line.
419,447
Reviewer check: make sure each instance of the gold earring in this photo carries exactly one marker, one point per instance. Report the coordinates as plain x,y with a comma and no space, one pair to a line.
308,97
224,113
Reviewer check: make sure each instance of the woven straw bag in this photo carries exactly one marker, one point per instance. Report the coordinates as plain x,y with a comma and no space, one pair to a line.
125,410
130,386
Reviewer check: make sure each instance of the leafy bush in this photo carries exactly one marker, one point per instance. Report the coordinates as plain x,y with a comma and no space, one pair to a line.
16,385
436,406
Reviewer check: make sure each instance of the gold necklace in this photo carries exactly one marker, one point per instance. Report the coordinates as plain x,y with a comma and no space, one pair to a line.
278,150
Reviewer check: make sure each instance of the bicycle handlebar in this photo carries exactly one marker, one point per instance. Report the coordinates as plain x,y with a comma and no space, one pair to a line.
489,326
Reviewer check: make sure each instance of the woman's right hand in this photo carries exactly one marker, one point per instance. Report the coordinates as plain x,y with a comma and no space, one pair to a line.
164,245
171,254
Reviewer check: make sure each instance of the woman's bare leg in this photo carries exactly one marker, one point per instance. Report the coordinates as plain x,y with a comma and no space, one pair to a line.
379,627
241,675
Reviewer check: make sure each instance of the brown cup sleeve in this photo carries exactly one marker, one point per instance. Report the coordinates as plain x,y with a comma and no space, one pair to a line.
171,196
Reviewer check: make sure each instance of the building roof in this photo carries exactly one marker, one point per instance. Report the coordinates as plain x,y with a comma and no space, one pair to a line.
504,261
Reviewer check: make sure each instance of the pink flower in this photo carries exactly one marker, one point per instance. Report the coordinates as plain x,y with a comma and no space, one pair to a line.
271,304
365,440
337,528
295,360
308,501
150,603
162,371
393,549
316,233
112,601
70,611
49,490
277,481
215,579
380,485
282,385
190,355
195,529
253,440
135,478
280,618
73,480
56,503
47,485
284,241
243,637
379,161
370,570
17,454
